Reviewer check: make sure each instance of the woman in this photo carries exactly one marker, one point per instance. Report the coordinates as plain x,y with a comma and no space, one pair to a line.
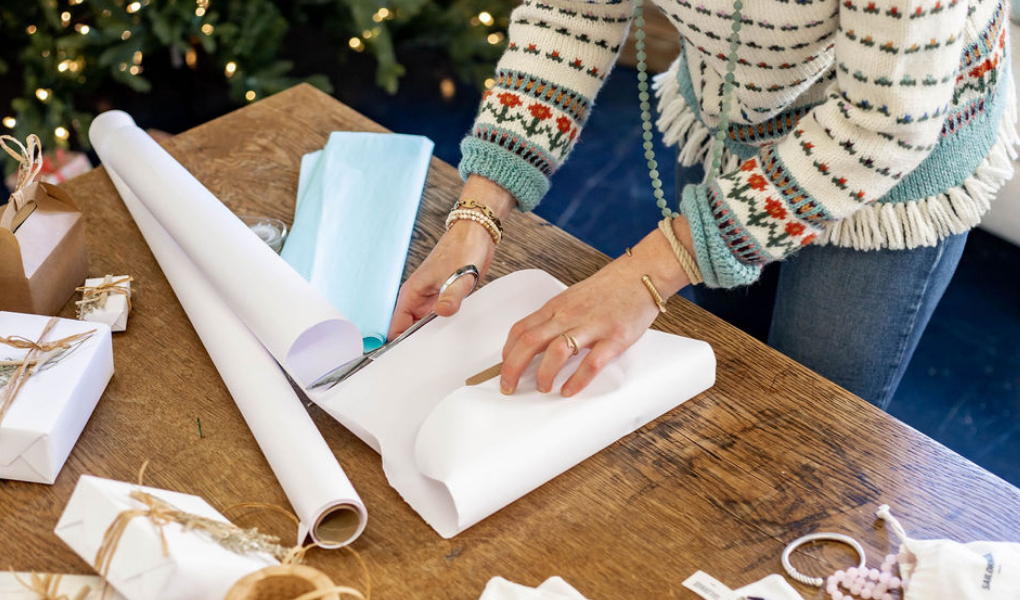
856,141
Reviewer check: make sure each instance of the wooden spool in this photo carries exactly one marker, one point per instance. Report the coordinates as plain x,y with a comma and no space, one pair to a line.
281,582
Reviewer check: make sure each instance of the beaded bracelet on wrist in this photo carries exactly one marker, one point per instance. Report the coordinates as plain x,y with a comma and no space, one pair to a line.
477,217
470,204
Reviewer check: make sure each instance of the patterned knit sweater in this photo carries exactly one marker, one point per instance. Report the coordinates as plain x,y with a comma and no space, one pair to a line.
861,123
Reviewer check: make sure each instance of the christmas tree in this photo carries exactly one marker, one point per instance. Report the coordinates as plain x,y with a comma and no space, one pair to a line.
59,54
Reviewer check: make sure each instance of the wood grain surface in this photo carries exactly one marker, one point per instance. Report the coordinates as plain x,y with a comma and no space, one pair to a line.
721,484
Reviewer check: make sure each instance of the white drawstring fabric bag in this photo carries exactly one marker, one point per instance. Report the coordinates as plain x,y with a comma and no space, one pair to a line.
948,570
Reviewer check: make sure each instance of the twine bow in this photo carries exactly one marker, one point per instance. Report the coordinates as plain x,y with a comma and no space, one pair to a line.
47,587
39,353
226,534
30,163
93,295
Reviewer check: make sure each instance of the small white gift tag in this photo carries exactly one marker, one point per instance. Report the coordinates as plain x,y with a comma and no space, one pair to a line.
106,300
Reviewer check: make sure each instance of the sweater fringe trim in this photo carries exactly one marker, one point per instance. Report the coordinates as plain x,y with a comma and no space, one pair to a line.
896,226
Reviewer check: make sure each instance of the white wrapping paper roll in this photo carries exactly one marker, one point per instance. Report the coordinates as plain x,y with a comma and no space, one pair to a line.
298,326
318,489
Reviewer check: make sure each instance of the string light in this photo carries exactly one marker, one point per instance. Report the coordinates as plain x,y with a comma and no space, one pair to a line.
122,66
230,69
10,122
207,28
366,34
249,95
62,133
447,88
31,29
356,44
124,36
74,2
137,57
199,12
489,83
495,38
134,7
42,94
45,53
64,65
485,18
65,18
135,70
82,28
191,58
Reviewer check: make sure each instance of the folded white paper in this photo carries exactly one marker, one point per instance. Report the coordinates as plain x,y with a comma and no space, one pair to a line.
194,566
326,503
68,586
49,413
458,454
114,311
299,327
554,588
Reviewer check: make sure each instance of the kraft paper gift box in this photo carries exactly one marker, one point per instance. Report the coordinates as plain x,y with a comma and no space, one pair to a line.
45,418
112,310
194,566
42,249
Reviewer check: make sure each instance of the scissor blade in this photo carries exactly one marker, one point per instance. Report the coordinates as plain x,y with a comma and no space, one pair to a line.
340,373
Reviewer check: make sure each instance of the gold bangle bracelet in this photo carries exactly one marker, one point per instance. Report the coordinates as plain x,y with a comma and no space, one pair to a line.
654,292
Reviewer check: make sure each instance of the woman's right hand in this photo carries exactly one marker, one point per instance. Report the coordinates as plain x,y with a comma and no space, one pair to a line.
466,243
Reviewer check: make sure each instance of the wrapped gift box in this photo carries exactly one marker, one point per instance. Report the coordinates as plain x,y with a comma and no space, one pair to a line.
194,566
114,309
48,414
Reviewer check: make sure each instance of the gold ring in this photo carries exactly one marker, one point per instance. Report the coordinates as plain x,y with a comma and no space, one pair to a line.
571,342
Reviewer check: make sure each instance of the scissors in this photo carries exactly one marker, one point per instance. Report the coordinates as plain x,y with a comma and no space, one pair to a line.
351,367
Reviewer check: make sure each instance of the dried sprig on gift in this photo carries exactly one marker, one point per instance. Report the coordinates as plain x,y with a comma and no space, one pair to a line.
38,363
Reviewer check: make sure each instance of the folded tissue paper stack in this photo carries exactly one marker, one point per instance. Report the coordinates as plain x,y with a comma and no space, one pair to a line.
357,202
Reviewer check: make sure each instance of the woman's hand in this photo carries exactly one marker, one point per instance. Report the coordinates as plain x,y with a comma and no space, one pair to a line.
466,243
607,313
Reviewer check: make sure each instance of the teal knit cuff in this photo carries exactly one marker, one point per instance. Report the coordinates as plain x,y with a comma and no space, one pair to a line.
511,172
719,267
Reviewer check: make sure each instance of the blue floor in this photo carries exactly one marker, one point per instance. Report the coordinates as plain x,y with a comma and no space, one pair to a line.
963,386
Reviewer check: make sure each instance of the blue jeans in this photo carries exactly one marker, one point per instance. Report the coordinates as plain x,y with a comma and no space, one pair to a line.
853,317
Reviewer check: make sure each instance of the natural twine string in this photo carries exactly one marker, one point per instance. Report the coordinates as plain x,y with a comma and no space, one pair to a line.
30,163
39,353
687,262
227,534
47,586
97,294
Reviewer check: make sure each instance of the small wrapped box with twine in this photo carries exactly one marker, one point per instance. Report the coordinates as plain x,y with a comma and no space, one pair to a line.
106,300
52,373
153,544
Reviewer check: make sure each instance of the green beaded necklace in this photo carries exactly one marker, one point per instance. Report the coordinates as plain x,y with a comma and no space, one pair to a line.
646,115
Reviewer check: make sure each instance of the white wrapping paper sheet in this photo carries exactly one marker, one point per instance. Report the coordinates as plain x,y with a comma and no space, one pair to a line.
298,326
458,454
322,497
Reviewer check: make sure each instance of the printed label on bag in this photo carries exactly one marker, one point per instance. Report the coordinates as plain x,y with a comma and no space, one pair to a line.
706,586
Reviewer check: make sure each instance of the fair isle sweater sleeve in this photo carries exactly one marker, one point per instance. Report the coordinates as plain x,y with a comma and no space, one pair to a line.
559,53
896,67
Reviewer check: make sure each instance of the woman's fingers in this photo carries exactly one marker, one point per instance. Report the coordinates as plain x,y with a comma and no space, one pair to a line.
557,353
601,354
528,344
449,301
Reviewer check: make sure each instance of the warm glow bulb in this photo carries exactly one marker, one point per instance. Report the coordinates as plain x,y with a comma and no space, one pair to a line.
134,7
42,94
230,69
135,70
485,18
356,44
207,29
30,29
10,122
249,95
63,66
82,29
489,83
65,18
447,88
199,12
62,133
495,38
384,13
124,36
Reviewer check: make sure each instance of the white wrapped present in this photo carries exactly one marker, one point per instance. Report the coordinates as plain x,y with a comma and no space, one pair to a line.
106,300
185,558
49,385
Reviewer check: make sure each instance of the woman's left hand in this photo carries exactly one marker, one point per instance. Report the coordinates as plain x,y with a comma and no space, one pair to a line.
606,313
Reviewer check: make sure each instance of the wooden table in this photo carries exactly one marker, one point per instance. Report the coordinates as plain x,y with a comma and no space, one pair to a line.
722,483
